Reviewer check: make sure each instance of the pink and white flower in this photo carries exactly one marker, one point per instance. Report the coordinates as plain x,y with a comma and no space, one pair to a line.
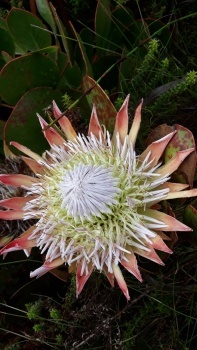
94,199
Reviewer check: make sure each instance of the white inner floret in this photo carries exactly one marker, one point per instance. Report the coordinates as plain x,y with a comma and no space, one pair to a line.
88,190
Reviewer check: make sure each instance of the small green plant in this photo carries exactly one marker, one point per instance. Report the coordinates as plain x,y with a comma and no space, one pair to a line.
67,101
77,6
17,3
118,103
55,314
172,97
59,339
13,347
147,63
39,327
34,310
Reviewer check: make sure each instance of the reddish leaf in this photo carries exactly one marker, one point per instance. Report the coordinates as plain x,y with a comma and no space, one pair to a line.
183,139
105,109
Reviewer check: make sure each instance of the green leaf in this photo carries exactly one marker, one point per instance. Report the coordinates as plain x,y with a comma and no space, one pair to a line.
1,148
122,20
87,66
104,107
127,31
102,25
2,61
6,56
66,42
6,42
71,77
138,33
3,24
45,12
24,73
62,61
165,35
110,80
28,30
23,125
125,74
49,49
88,37
2,124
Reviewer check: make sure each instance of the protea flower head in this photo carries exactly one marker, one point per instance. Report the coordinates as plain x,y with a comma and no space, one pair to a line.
95,200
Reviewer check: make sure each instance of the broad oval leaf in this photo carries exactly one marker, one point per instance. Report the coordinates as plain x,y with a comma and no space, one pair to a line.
24,73
6,42
71,77
23,125
3,24
28,31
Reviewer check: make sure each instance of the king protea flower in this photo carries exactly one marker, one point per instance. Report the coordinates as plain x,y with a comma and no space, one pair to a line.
95,200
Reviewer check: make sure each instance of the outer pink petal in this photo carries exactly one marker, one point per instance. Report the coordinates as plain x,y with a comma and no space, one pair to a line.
121,125
81,279
159,244
173,186
121,281
135,125
33,165
151,255
17,180
173,163
46,267
131,265
163,236
94,125
64,123
182,194
172,224
50,134
156,148
16,203
11,214
22,242
26,150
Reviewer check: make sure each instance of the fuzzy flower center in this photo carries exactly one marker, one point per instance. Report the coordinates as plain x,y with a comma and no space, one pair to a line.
88,190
